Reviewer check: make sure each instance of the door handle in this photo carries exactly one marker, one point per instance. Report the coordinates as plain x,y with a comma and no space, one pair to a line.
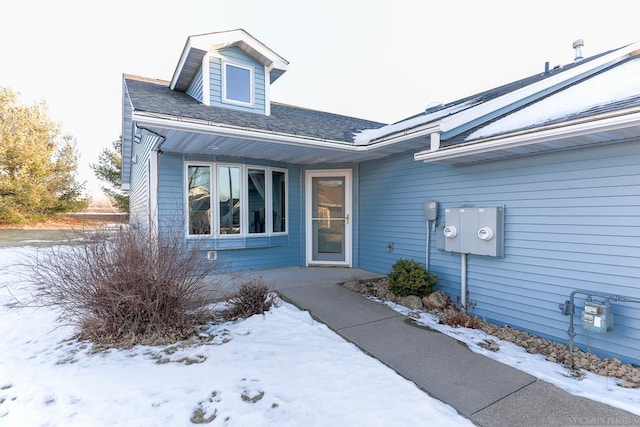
347,218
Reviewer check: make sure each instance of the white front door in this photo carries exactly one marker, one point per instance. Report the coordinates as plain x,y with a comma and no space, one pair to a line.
328,217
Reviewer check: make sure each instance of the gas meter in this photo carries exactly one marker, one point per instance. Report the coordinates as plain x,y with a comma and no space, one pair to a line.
597,316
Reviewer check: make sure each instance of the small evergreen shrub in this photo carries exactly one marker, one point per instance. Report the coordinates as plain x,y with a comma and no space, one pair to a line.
253,297
409,277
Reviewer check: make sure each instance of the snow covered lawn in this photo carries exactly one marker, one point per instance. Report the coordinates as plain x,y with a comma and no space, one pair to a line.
281,369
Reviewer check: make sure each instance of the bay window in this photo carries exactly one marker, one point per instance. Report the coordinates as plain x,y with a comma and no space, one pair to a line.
251,200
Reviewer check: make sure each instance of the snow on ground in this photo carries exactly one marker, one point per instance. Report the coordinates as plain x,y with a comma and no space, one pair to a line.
591,386
281,369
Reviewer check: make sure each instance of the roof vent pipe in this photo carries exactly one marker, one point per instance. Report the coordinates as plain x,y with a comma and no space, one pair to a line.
577,46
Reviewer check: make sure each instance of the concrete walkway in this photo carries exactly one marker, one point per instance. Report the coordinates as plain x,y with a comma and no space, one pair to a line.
487,392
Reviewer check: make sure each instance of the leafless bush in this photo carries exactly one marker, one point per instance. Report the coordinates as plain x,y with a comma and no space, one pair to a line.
253,297
458,318
125,286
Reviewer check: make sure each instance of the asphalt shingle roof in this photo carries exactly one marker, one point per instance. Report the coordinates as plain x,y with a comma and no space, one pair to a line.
155,96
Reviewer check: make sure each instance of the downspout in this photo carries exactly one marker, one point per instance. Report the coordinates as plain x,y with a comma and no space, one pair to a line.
154,177
428,244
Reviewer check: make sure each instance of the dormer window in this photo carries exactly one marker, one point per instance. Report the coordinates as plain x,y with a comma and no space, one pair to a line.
237,84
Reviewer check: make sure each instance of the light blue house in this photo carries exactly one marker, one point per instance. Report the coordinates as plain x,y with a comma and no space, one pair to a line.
536,183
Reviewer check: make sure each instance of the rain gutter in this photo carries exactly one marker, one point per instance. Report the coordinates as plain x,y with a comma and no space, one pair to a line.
201,126
529,138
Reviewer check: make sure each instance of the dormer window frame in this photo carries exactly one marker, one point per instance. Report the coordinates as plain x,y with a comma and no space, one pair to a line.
232,101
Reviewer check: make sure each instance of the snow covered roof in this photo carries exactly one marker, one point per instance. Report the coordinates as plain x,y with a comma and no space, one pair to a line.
600,98
494,100
366,136
610,88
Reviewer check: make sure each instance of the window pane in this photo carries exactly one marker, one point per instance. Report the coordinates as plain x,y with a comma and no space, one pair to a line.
238,83
199,191
256,184
278,188
229,198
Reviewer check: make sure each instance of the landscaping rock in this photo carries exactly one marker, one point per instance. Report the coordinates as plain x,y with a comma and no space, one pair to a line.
353,285
436,300
628,374
412,301
367,291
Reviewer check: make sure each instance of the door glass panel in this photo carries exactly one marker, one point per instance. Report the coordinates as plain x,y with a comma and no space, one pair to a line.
328,219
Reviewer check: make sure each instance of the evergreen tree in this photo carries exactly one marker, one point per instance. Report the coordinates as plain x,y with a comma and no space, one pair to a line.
109,170
38,164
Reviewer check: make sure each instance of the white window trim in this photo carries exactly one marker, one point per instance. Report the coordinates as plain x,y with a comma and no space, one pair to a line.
206,82
224,85
214,215
267,90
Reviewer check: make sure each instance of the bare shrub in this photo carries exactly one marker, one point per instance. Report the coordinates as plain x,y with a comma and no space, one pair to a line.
253,297
458,318
125,286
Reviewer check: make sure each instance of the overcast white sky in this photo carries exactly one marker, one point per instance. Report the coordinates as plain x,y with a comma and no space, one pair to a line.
377,59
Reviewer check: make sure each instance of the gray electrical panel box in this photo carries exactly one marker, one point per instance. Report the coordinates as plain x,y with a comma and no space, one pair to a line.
477,231
431,210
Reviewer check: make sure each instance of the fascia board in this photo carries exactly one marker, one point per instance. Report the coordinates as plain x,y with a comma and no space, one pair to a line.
413,133
238,132
220,40
530,138
183,59
181,124
541,87
127,140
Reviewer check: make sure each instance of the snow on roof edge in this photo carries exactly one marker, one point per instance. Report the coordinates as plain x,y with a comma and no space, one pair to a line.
366,136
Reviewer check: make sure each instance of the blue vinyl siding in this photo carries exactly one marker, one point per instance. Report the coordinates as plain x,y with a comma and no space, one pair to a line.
572,221
237,56
139,208
195,88
241,253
